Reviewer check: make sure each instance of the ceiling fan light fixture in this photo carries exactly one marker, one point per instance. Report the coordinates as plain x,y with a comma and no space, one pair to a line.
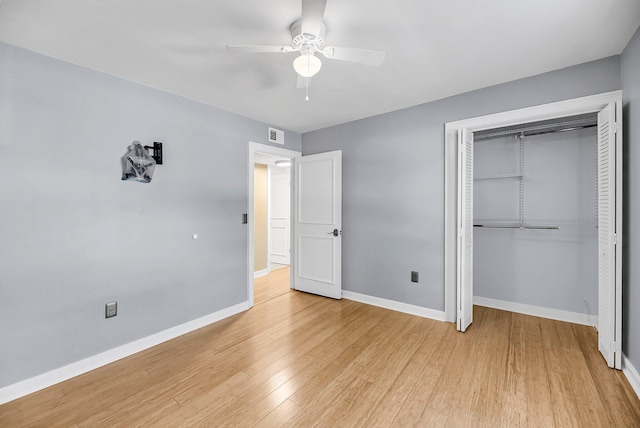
307,65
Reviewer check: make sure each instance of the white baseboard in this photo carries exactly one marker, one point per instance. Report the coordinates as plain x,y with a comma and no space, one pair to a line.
260,273
395,306
537,311
632,374
36,383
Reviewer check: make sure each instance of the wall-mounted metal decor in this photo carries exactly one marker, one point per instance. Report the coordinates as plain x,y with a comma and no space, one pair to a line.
138,163
156,152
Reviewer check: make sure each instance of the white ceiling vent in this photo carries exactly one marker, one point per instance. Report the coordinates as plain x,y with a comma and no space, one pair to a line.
276,136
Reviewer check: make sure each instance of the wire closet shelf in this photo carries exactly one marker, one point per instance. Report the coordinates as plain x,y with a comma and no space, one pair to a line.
521,131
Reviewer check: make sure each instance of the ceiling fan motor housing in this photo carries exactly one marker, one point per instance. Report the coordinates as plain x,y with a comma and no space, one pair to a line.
306,42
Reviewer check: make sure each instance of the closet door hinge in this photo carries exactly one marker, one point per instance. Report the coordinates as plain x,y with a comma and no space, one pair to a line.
615,238
614,126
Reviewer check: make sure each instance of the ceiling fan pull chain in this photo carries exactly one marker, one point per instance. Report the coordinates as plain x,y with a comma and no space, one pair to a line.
306,98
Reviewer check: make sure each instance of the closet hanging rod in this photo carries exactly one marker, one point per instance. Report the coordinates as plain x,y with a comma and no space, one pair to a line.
516,226
532,130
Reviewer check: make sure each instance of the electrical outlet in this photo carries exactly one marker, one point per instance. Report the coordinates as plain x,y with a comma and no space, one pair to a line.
111,309
414,276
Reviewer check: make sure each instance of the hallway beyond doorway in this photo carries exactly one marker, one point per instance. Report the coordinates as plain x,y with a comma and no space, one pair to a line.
275,284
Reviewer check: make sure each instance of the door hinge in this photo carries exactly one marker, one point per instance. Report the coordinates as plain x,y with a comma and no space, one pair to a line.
614,126
615,238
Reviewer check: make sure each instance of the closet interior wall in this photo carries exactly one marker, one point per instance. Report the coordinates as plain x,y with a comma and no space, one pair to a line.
550,182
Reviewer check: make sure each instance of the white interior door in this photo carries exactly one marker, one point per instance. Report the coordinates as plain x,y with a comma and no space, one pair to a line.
465,230
318,224
279,215
609,237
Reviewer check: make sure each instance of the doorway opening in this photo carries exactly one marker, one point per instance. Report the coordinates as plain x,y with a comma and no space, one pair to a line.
272,225
269,272
315,237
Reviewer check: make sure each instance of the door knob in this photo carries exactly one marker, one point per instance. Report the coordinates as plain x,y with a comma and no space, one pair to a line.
335,232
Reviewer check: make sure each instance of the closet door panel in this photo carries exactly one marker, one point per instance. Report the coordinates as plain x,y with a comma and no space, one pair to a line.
465,230
607,235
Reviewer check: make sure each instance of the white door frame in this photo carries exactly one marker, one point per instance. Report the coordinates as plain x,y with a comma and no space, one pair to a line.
583,105
271,150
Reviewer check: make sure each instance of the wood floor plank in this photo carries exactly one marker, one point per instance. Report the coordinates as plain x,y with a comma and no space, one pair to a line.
267,287
297,359
628,406
255,398
279,416
416,403
376,370
539,404
389,402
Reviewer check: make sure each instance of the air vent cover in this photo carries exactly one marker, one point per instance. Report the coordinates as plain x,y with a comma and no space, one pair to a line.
276,136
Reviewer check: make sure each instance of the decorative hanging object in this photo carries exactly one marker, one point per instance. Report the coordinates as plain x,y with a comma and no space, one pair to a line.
139,165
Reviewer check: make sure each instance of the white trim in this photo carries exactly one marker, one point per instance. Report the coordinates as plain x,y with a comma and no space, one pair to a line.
632,374
269,218
582,105
537,311
36,383
395,306
253,149
262,272
588,104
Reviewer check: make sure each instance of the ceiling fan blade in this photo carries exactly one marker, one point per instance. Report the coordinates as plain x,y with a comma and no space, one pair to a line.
258,49
302,81
312,15
362,56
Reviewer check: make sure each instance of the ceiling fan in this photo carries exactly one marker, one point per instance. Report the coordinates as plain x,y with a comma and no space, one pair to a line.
307,39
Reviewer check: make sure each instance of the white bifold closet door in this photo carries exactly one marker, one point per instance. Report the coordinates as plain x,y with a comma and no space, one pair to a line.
465,230
609,237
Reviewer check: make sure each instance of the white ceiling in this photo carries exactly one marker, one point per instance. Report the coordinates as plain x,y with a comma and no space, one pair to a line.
434,48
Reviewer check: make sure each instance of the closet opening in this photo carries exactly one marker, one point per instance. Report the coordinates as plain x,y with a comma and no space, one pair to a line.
533,215
535,237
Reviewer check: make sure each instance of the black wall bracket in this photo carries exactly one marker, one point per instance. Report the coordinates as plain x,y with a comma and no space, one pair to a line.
156,152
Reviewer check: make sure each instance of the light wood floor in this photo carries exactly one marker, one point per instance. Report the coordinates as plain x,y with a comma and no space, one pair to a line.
275,284
302,360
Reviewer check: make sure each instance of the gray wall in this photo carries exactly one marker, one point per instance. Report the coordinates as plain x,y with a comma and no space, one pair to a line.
555,269
631,277
393,179
73,236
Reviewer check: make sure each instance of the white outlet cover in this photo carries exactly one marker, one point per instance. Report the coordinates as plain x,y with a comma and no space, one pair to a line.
111,309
